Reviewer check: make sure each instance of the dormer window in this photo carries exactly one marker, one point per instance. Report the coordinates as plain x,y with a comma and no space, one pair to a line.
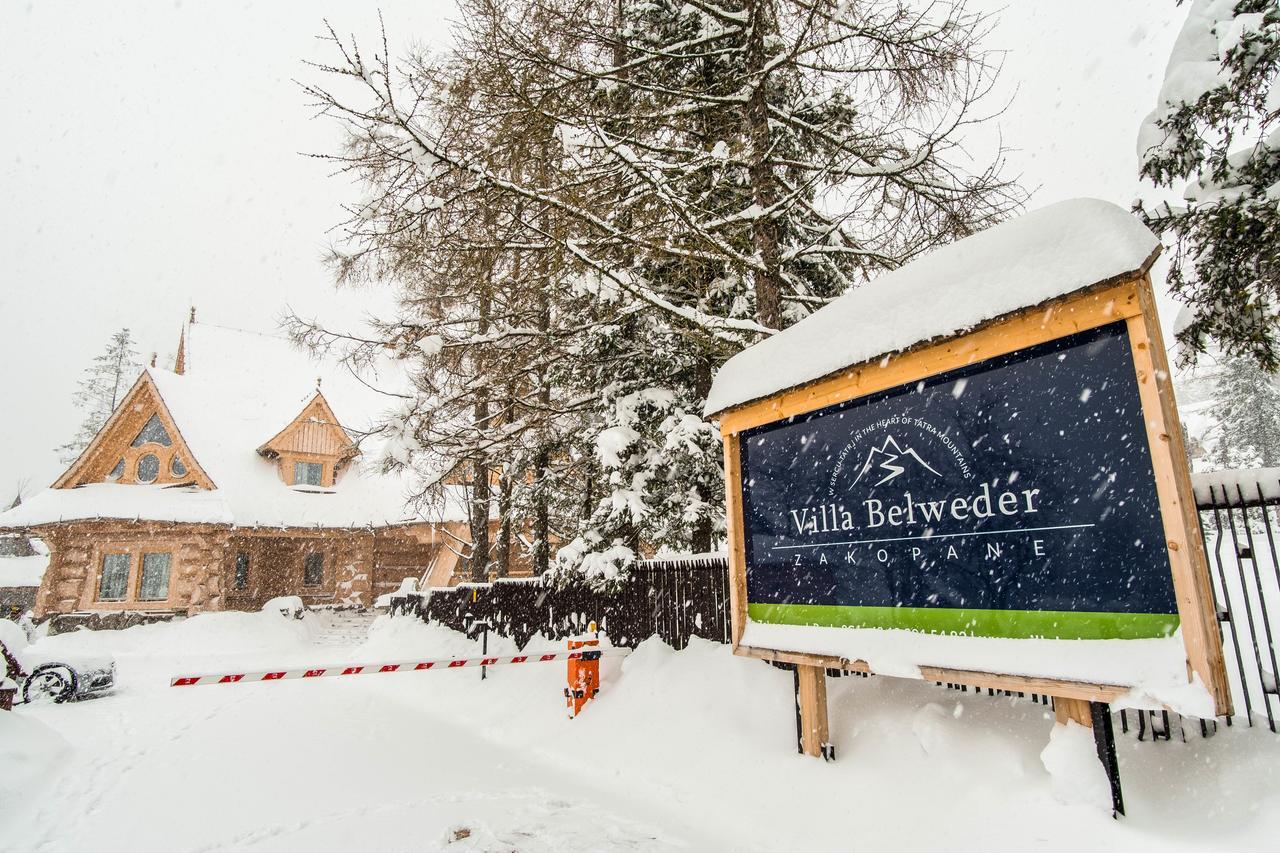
177,467
313,448
308,473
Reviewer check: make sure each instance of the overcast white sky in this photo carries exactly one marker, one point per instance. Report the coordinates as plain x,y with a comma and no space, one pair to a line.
149,161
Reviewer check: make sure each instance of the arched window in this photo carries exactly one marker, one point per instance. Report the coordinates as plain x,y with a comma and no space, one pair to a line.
148,468
154,456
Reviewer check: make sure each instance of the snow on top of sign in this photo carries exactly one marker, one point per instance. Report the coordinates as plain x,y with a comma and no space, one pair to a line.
239,390
1044,254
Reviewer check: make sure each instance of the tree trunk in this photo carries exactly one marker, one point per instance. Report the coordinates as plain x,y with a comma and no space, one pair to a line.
502,550
542,461
764,189
480,500
481,493
541,517
702,530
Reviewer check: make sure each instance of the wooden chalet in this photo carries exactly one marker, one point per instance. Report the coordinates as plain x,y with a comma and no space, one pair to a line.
232,480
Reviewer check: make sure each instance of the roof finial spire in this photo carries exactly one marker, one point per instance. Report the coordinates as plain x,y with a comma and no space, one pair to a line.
153,359
193,314
318,383
180,363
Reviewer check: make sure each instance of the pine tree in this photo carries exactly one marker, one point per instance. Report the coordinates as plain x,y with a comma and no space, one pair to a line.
1248,408
1217,129
103,385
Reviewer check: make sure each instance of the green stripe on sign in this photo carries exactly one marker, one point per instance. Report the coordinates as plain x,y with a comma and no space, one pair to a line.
1017,624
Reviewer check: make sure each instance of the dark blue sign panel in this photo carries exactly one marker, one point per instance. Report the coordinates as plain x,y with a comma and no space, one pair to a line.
1010,498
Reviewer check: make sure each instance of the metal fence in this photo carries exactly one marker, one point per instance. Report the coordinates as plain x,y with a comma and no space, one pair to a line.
1239,521
1240,518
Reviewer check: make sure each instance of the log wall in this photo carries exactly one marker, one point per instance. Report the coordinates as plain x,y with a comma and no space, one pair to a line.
358,564
76,550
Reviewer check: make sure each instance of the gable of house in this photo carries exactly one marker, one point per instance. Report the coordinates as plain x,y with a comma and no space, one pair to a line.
140,444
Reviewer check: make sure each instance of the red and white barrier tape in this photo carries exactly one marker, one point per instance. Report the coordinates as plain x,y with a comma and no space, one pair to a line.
400,666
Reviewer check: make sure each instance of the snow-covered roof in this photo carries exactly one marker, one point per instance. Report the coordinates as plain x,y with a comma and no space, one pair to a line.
239,389
115,500
23,571
1044,254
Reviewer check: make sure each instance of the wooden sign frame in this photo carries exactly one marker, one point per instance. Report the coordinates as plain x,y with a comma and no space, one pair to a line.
1128,298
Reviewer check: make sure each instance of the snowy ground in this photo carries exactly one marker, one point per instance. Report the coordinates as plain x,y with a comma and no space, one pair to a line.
689,751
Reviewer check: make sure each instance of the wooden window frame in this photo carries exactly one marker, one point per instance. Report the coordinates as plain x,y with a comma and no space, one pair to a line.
164,455
101,568
133,586
236,586
155,416
327,464
142,565
307,555
308,463
137,471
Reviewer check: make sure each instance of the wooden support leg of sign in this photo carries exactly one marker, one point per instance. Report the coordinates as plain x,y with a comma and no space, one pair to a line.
1096,716
814,734
1076,710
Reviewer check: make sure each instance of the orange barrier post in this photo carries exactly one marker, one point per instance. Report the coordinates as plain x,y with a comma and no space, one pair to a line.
584,675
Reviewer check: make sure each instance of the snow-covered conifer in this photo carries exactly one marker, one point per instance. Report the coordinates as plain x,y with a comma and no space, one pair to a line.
1248,409
104,383
1216,129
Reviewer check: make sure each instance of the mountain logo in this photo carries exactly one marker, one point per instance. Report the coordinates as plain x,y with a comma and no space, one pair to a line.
890,459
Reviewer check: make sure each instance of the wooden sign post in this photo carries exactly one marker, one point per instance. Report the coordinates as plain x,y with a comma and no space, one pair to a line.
1025,479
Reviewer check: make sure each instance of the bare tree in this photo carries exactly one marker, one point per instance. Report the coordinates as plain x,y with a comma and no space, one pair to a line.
587,206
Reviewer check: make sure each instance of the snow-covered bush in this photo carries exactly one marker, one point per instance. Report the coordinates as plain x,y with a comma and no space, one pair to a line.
285,605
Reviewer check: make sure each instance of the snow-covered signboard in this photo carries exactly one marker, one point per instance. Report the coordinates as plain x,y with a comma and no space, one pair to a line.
1011,498
971,470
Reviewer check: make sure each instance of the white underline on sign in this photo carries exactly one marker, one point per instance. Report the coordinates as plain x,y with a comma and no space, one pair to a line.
931,536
